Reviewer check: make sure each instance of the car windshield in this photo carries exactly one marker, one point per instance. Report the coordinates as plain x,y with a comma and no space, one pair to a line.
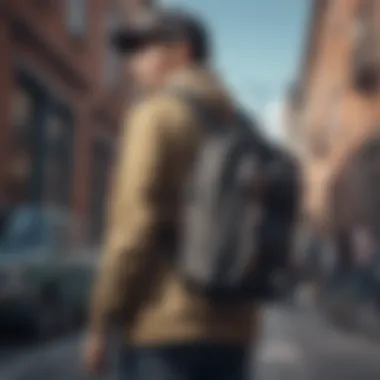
27,229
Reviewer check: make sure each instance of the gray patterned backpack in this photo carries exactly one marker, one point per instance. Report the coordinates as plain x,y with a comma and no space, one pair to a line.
225,243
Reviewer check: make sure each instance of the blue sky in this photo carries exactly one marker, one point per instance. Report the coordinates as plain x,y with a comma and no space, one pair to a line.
258,47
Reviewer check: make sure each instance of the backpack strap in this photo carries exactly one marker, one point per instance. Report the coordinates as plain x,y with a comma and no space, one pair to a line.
168,235
208,115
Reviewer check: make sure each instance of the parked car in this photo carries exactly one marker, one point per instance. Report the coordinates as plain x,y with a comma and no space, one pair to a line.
44,278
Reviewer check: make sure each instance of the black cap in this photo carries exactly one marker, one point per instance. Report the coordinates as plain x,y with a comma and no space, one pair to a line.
164,26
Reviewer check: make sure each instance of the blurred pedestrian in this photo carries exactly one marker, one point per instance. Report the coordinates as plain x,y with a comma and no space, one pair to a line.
364,254
170,332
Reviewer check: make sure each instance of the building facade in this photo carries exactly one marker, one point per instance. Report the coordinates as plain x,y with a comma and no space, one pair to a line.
292,119
337,117
61,98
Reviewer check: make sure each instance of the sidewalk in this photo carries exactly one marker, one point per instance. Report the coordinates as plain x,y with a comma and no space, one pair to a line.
368,322
353,318
341,314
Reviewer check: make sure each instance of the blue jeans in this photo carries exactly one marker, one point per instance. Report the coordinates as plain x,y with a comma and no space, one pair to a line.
186,362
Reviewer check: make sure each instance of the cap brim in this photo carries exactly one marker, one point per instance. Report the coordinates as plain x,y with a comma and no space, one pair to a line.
128,41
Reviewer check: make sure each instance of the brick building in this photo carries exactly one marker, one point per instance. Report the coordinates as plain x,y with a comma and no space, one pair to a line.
60,102
292,118
336,113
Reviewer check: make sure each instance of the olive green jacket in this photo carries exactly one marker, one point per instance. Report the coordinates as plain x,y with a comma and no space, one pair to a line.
137,280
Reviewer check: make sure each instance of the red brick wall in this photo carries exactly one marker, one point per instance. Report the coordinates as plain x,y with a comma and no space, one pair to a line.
337,118
83,59
73,68
5,88
85,55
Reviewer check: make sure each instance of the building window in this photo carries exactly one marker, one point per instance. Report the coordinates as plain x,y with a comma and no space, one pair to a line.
58,164
101,170
25,105
77,17
43,138
22,112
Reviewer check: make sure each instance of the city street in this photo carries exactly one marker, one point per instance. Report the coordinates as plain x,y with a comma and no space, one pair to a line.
294,346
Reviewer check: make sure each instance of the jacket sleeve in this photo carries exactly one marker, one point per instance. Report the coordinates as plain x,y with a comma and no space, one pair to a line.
128,259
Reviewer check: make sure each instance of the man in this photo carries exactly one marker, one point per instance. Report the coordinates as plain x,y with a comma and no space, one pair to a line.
172,332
